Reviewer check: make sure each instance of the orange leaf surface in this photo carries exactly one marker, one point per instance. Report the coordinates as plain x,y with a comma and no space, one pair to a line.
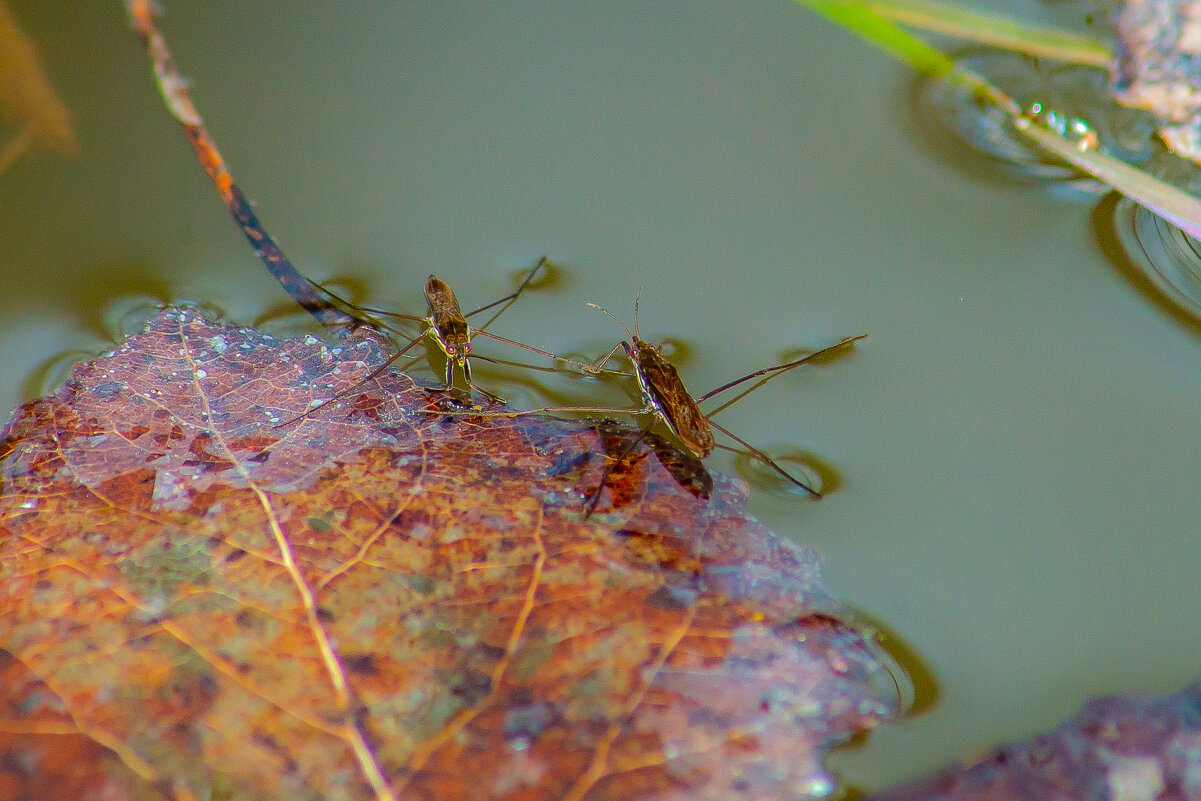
386,601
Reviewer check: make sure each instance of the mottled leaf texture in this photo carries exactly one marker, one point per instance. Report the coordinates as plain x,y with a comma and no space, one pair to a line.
386,601
1122,748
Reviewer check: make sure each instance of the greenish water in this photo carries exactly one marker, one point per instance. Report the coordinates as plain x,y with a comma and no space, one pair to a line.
1017,438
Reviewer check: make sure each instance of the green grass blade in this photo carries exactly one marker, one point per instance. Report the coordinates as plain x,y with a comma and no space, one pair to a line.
1174,205
895,40
886,35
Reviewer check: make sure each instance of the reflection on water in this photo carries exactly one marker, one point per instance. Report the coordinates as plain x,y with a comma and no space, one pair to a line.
915,685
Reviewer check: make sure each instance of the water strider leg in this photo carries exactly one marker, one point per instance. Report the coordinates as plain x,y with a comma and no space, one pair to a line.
777,369
510,298
765,459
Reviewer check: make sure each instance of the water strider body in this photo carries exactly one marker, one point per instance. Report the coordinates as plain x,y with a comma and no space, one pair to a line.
446,326
665,396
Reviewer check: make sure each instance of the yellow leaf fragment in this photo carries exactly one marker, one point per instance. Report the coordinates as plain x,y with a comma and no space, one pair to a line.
27,101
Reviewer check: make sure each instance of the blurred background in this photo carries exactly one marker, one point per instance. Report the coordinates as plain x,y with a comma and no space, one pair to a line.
1016,439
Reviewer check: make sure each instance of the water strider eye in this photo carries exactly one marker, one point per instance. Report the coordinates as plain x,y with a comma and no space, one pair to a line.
467,348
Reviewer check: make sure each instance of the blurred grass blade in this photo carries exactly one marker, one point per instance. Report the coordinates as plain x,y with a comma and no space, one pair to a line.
1174,205
991,29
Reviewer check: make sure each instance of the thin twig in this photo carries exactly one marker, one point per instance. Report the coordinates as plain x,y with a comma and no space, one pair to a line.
175,93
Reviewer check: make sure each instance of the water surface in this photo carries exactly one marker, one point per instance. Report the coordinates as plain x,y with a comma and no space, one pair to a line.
1017,436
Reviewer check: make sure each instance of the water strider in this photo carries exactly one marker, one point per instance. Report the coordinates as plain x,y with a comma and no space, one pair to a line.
447,326
665,396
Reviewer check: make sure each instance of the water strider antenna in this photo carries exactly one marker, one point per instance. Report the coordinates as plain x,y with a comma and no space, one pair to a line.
618,319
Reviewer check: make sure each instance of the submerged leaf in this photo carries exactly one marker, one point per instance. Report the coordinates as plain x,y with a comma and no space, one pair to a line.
385,601
1124,748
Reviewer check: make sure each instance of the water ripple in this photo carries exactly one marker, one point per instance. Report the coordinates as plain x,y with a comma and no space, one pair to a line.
982,139
1168,257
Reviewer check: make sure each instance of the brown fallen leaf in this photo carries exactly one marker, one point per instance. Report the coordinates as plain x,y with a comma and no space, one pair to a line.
45,755
385,601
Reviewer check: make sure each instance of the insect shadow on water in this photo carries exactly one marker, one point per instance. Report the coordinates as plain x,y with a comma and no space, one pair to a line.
665,397
448,328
